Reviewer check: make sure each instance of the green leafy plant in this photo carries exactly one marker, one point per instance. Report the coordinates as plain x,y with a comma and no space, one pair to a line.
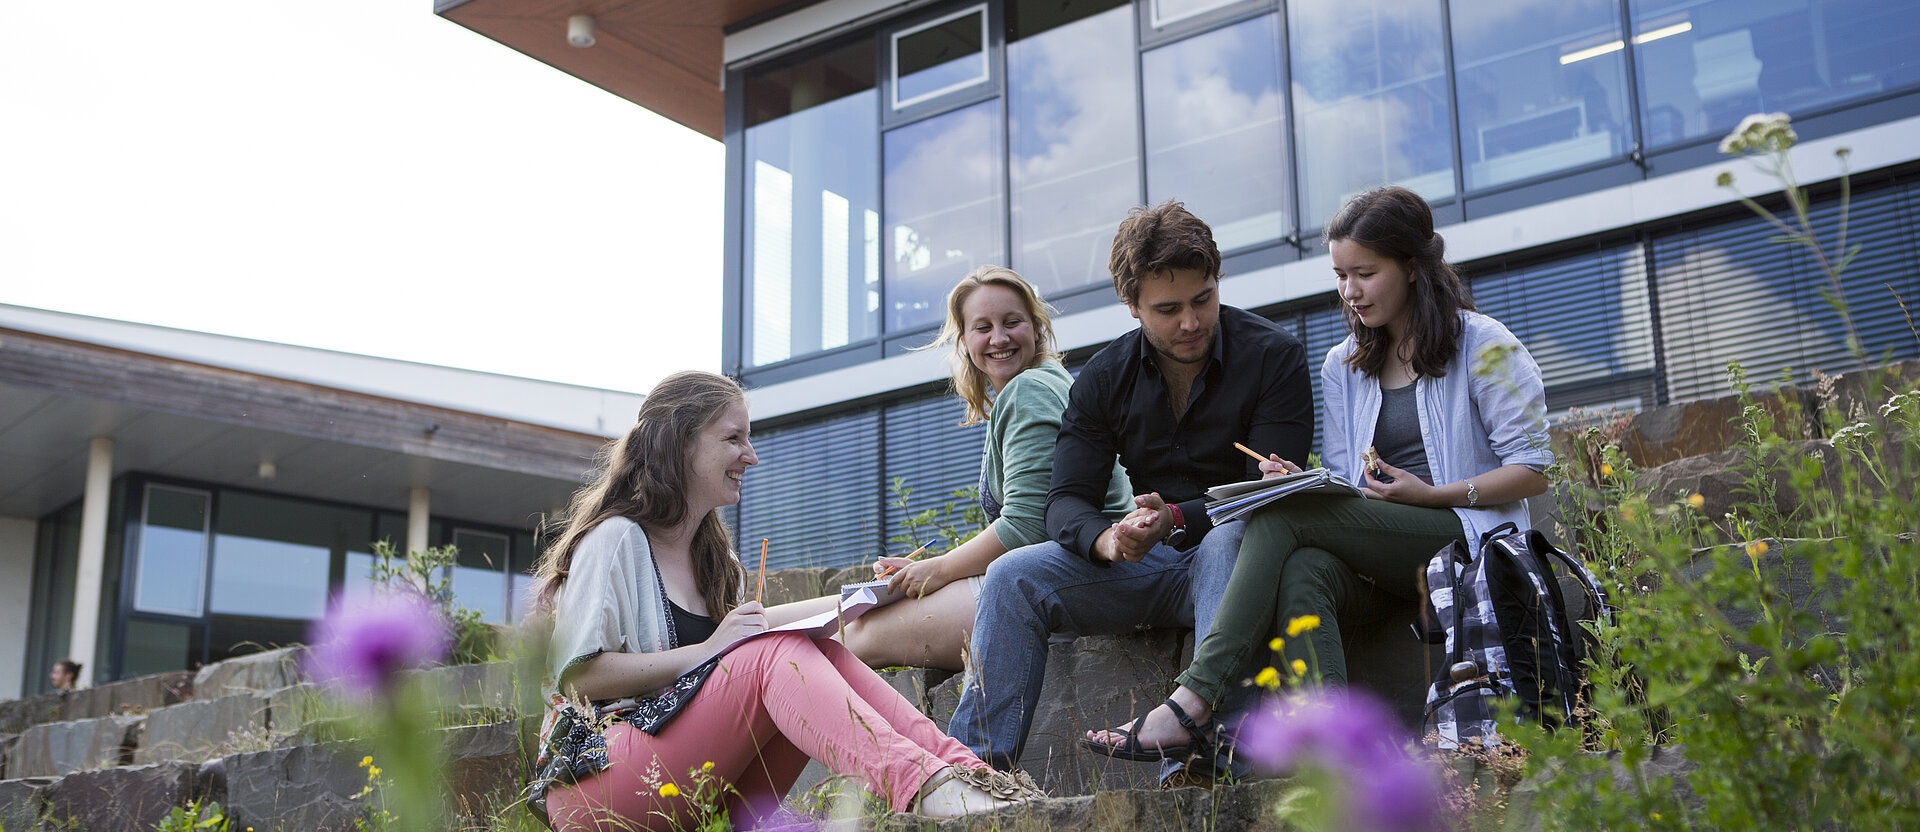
1769,649
706,795
193,817
955,522
430,573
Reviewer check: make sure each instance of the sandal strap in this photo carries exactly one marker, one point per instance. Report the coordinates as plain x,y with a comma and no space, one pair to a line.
933,782
1202,736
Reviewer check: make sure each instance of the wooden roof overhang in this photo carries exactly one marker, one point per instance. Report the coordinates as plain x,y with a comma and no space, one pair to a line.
215,424
664,55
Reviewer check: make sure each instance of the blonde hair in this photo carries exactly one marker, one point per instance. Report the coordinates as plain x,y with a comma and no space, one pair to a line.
969,383
642,477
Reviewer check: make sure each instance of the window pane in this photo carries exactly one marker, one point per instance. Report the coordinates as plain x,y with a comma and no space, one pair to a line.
173,552
813,223
1076,160
941,57
1170,11
272,555
944,209
1216,131
479,574
1705,65
1370,100
269,578
156,647
1542,86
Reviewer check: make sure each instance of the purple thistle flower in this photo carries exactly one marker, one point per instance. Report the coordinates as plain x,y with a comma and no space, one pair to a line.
362,642
1357,741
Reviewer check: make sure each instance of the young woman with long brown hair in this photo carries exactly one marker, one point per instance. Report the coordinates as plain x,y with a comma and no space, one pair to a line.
647,596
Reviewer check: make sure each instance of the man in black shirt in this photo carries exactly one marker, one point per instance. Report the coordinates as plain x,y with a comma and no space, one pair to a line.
1169,399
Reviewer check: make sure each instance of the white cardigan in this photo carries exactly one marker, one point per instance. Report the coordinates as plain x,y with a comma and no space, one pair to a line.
1470,424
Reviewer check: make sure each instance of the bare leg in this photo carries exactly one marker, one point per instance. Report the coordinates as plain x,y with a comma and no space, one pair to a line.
916,632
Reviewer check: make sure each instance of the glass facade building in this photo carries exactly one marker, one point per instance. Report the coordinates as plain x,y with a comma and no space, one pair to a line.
1019,133
213,572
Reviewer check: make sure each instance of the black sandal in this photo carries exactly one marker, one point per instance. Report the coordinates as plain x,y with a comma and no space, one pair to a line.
1201,744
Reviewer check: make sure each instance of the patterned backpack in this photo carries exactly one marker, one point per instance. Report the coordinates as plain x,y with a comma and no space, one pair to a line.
1507,632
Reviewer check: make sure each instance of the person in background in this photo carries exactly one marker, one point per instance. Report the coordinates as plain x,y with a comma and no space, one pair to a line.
65,675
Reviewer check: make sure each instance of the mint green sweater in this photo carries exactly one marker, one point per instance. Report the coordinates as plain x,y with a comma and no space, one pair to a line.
1021,430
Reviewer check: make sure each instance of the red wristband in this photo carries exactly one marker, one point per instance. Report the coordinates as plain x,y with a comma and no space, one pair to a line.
1179,520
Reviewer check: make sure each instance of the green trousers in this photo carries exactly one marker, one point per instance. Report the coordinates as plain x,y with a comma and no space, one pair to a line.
1311,554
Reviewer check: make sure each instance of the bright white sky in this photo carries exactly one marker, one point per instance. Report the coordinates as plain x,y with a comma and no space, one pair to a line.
358,175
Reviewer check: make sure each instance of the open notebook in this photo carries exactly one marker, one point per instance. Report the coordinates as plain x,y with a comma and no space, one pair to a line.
1235,500
855,600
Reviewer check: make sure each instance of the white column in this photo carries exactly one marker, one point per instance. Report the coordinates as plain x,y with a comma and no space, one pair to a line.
93,556
417,502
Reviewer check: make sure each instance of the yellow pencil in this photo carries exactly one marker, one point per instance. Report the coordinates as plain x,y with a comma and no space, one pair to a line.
759,595
1249,452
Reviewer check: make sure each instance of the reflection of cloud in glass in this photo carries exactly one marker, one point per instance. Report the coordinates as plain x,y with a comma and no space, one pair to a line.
1370,96
943,213
1074,162
1482,30
1215,138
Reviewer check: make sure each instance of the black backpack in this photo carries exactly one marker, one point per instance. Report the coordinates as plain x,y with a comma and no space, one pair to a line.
1504,621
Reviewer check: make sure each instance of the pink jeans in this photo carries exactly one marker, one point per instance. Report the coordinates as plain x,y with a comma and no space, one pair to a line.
769,706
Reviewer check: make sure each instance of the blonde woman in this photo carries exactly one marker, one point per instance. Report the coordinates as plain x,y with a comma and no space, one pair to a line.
1006,371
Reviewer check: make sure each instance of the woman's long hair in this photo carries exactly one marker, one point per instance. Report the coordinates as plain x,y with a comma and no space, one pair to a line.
1397,223
642,477
969,383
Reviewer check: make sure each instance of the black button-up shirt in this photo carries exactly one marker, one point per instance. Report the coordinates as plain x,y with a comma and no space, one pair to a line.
1253,390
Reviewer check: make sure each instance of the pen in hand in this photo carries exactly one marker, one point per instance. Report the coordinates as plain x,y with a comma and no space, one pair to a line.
888,572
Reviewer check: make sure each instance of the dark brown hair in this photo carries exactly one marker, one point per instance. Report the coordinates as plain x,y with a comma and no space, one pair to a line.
1395,222
642,477
1159,239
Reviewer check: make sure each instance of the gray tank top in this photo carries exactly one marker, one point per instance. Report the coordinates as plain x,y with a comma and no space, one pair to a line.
1396,437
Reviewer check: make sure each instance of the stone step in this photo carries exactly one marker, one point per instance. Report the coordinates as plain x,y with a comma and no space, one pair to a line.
58,748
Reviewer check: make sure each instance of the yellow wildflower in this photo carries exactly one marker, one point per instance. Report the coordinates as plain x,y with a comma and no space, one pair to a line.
373,772
1756,549
1299,667
1301,625
706,766
1696,500
1606,470
1268,678
669,790
366,761
1276,644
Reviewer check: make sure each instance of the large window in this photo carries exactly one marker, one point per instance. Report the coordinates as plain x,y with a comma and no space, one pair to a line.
173,552
1216,131
273,556
944,210
1074,137
813,264
1542,87
1706,64
1369,99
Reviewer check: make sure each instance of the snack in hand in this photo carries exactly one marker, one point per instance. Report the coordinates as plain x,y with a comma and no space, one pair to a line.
1371,459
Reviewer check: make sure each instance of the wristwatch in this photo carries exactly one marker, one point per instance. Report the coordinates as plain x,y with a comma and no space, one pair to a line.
1178,534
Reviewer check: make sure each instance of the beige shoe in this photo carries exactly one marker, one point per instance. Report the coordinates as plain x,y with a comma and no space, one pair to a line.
956,790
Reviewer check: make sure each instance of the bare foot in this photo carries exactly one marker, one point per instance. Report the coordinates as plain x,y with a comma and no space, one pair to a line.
1161,730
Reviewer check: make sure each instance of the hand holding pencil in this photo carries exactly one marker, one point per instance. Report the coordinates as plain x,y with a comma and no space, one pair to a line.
1271,465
